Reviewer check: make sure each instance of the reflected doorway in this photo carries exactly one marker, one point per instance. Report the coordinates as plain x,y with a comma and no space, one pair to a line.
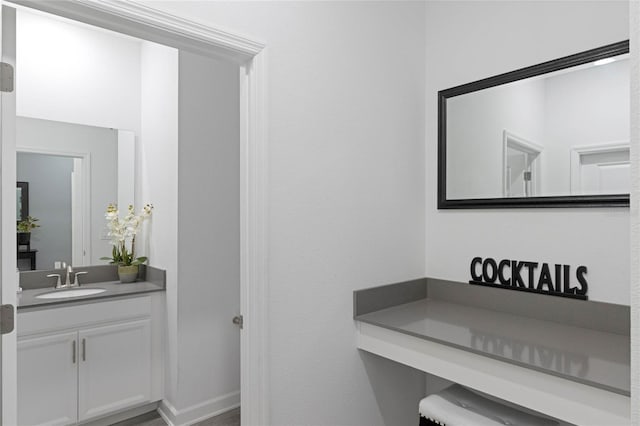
57,199
601,169
521,166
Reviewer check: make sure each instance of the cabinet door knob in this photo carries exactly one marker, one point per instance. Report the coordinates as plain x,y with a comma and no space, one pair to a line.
73,351
84,349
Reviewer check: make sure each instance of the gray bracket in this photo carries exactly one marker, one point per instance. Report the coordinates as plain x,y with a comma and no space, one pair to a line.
6,77
7,319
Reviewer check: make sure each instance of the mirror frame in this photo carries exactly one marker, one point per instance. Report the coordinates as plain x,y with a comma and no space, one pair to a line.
605,200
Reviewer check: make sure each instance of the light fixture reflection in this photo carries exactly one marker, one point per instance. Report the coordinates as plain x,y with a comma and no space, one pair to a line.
603,61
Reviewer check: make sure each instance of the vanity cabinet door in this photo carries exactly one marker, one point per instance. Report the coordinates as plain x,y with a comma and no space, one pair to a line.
114,367
47,379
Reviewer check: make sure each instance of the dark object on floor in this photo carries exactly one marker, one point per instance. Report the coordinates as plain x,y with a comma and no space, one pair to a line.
428,422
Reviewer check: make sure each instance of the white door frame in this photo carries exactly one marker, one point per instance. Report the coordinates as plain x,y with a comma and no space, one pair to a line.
9,262
578,151
512,140
147,23
634,33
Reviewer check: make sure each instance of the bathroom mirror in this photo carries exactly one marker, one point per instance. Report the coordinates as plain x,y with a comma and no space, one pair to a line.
74,171
550,135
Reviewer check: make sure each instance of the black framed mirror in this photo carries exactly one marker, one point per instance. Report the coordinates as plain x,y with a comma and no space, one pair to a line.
554,134
22,200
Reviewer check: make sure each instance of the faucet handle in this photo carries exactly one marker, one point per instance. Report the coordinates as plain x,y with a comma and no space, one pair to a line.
58,283
76,283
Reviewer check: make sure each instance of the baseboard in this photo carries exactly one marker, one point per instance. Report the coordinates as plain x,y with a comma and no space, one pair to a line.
122,415
198,412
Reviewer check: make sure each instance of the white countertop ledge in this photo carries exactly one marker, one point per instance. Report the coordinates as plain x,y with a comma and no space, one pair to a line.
575,374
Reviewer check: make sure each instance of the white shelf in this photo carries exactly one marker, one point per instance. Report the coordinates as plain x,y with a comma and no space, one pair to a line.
558,397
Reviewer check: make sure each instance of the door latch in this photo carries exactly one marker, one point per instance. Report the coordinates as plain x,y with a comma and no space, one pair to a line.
7,319
238,320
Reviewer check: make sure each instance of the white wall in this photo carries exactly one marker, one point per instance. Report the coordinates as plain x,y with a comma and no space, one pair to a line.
74,73
499,37
346,186
157,176
208,233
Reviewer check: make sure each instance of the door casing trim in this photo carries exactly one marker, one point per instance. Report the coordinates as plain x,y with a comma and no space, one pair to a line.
138,20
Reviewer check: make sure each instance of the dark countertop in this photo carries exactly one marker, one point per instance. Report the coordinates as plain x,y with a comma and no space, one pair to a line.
596,358
27,299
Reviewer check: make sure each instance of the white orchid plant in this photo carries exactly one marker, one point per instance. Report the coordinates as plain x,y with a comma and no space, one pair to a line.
123,231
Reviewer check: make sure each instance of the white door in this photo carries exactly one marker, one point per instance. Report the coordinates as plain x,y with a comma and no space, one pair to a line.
48,380
601,169
8,369
517,168
114,367
606,173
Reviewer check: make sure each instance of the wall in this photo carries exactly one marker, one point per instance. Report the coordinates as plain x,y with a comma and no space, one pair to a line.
208,233
74,73
500,37
102,146
49,180
157,179
346,188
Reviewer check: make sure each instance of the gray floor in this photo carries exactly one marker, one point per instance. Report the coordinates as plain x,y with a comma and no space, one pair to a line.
230,418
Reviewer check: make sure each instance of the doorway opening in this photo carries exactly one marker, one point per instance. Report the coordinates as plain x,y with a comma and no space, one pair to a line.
601,169
521,166
178,33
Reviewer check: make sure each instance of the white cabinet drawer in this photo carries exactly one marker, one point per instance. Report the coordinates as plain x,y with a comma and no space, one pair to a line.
82,315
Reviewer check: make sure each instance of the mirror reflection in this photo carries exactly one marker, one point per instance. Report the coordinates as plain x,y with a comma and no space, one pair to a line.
73,172
558,134
22,200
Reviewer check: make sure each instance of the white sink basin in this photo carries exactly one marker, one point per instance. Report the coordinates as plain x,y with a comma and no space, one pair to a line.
61,294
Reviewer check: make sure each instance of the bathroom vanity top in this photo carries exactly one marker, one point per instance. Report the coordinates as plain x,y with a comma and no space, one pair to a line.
28,299
595,358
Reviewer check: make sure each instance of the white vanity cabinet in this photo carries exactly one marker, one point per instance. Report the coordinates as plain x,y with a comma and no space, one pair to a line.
82,362
114,368
47,379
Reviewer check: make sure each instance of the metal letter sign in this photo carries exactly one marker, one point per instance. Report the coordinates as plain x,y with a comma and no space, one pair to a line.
532,277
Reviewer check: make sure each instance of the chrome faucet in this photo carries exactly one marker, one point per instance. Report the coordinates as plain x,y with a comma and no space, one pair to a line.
67,281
